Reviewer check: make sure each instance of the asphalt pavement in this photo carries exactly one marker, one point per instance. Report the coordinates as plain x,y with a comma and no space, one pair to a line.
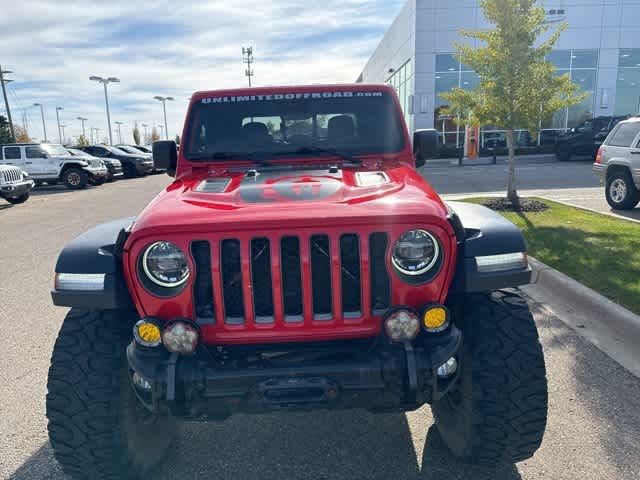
594,418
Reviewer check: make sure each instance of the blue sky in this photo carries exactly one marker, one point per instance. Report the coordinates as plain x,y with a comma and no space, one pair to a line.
173,49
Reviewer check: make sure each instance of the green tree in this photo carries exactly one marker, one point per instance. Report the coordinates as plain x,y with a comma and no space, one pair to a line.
83,140
136,134
518,87
5,131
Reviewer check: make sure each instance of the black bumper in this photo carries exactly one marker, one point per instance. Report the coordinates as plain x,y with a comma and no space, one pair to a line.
113,171
16,190
385,378
144,168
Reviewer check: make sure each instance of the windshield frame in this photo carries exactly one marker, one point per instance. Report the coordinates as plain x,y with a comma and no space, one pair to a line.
401,141
55,149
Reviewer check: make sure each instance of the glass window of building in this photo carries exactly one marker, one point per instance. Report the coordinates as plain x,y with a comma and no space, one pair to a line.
402,81
628,82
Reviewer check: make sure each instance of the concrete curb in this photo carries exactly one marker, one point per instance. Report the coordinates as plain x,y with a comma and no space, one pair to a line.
609,326
587,209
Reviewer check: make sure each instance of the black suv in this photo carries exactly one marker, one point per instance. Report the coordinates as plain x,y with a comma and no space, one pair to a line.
583,141
132,165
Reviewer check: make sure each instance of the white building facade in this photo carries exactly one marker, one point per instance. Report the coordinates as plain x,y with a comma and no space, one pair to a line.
600,50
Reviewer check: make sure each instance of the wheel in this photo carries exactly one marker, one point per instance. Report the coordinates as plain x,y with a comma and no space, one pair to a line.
98,181
75,178
20,199
97,427
129,170
563,155
620,192
497,411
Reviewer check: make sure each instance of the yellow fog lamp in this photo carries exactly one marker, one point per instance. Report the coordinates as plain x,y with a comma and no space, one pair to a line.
147,333
435,318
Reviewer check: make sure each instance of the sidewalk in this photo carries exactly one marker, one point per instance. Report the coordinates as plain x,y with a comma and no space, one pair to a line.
520,160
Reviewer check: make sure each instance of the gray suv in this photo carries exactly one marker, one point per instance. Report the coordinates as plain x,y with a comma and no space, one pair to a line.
618,165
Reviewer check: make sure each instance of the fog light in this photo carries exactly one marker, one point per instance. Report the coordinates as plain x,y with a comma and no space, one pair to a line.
140,382
402,325
181,337
435,318
147,333
448,368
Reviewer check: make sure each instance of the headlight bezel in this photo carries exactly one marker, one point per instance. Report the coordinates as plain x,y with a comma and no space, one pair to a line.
155,285
425,273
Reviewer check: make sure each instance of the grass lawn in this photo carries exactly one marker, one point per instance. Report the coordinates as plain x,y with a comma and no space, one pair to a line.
599,251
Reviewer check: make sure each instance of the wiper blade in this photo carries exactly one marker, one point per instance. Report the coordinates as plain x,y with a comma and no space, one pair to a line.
331,151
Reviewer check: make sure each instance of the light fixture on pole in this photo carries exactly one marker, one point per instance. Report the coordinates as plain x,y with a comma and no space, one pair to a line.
119,132
105,82
58,119
247,57
3,83
82,119
164,109
44,127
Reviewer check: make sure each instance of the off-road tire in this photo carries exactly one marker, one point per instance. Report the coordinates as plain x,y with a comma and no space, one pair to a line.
632,196
97,428
497,412
20,199
75,178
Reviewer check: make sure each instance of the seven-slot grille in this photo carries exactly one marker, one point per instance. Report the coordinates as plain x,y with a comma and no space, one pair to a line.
292,279
12,175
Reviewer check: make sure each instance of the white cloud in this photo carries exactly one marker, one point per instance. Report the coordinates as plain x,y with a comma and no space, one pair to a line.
174,49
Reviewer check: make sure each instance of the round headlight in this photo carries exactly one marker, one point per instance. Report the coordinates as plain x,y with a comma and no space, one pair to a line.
415,252
165,264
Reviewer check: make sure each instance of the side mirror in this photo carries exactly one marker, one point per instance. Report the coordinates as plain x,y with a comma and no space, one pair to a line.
425,145
165,156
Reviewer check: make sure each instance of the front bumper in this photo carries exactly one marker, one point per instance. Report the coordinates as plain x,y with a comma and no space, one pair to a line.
16,189
381,379
144,167
97,173
114,171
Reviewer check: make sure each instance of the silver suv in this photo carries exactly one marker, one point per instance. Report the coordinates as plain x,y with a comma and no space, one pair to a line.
618,165
15,184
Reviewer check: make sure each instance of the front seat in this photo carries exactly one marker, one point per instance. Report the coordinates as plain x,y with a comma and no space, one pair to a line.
341,129
256,134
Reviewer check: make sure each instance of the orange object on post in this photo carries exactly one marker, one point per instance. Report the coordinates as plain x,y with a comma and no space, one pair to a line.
472,136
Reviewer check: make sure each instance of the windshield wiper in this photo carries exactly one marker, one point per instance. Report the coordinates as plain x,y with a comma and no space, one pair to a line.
332,151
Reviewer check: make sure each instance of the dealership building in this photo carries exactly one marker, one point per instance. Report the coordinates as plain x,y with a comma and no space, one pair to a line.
600,50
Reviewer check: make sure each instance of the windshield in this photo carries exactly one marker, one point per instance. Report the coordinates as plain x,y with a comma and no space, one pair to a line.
54,150
77,153
115,150
290,123
128,149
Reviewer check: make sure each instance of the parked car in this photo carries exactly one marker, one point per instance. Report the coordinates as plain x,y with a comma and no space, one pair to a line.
132,165
143,148
114,167
583,141
133,150
51,163
617,165
290,273
15,184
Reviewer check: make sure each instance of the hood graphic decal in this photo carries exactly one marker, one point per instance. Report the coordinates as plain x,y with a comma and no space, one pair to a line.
301,186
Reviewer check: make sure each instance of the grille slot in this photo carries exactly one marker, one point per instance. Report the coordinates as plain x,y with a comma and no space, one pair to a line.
291,278
261,280
203,287
321,276
350,275
232,282
12,175
380,288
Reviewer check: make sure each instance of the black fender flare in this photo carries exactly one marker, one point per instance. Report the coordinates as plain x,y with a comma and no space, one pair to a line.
482,232
97,251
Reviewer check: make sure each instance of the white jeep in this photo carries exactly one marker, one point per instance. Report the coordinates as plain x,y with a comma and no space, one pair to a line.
15,184
50,163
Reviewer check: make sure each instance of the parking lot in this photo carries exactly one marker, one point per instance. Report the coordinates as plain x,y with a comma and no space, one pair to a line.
594,417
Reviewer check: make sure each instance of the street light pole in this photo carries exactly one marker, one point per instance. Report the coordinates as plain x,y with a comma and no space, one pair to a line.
83,119
58,119
63,136
164,108
161,130
44,126
3,82
144,125
119,132
105,82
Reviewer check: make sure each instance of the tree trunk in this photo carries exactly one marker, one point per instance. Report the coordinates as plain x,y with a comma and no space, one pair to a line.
512,194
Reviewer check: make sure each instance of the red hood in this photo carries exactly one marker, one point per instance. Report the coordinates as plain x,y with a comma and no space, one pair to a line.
292,197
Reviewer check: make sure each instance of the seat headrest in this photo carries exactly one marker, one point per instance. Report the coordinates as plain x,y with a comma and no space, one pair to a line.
255,130
341,127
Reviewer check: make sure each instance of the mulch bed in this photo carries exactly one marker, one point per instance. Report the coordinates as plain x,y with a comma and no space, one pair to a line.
523,205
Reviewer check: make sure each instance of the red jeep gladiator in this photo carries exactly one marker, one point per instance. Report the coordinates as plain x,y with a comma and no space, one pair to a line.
297,261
